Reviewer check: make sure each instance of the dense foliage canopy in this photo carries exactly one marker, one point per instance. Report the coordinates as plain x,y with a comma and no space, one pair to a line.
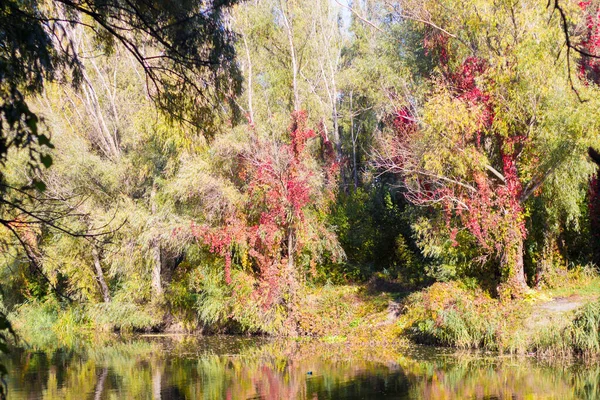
189,177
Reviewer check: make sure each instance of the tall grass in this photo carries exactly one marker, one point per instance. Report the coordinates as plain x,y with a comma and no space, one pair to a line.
579,337
585,330
50,324
123,317
34,323
448,314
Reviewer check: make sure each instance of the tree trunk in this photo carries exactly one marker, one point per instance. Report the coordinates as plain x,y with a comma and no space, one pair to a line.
156,252
156,269
290,34
546,262
353,137
249,90
514,282
100,276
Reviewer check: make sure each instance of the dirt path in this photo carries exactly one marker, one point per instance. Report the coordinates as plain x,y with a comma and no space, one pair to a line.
549,312
562,304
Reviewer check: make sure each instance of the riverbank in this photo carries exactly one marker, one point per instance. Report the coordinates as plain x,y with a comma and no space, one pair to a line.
563,322
543,323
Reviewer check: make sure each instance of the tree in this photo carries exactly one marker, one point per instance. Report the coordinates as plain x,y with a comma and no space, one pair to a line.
106,128
277,222
184,49
498,121
589,73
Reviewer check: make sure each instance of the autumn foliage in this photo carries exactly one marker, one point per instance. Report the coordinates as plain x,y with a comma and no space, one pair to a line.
589,72
276,223
470,172
589,64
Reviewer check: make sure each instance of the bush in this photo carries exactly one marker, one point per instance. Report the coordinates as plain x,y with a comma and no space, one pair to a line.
449,314
236,307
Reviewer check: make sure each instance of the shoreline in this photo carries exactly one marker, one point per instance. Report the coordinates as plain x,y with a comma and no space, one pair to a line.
545,324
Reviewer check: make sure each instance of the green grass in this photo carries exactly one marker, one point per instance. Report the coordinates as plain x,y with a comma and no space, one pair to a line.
122,316
50,324
588,289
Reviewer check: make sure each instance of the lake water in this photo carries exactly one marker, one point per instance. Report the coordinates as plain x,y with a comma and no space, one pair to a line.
185,367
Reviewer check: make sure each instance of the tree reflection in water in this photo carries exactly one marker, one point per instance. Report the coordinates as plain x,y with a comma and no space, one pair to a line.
237,368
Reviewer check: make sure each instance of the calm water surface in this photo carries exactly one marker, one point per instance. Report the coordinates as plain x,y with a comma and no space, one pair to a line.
185,367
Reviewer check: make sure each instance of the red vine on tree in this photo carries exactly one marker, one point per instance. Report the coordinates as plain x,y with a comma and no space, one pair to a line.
270,226
486,201
589,72
589,67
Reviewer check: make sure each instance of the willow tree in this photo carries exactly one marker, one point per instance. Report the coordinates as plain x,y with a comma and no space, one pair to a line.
498,123
184,48
185,53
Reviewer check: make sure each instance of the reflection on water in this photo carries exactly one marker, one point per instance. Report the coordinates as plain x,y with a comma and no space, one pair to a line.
236,368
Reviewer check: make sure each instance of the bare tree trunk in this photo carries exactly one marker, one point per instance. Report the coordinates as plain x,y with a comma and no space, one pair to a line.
353,138
156,252
336,125
514,282
330,60
290,35
107,138
100,276
250,105
354,166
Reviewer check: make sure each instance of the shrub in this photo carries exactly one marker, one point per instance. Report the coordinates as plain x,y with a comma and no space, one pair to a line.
448,314
235,307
